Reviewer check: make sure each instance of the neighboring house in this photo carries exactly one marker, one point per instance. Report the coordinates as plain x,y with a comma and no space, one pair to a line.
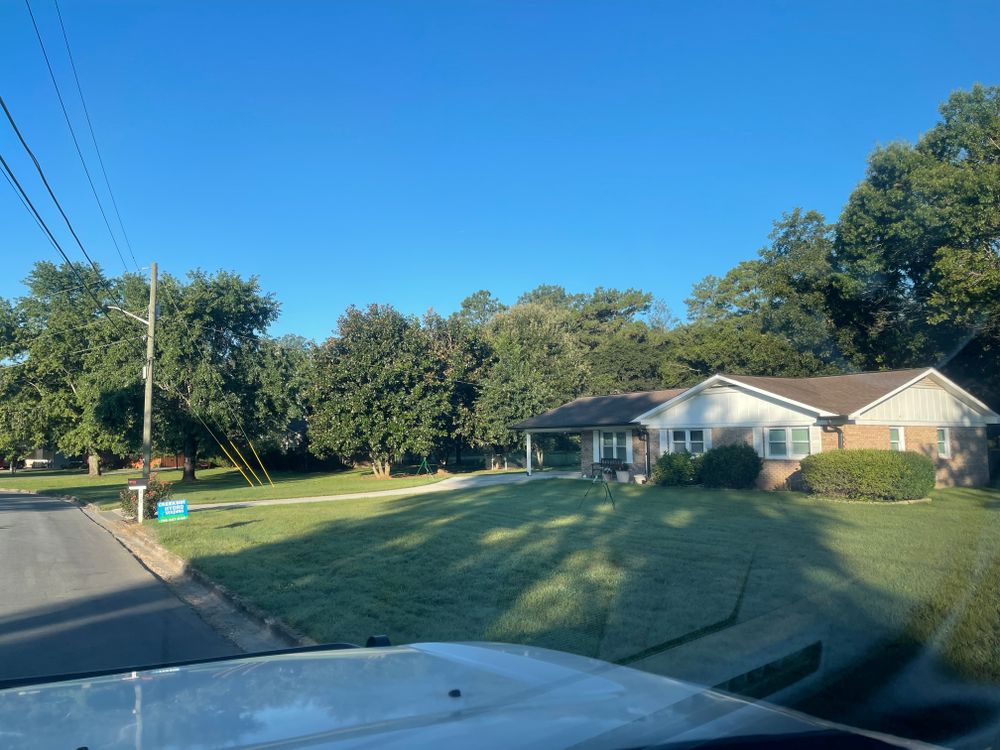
784,419
43,458
166,461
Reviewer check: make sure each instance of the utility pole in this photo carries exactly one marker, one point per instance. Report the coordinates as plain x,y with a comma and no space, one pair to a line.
147,404
147,372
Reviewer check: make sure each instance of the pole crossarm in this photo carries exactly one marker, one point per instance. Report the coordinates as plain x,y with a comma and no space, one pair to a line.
141,321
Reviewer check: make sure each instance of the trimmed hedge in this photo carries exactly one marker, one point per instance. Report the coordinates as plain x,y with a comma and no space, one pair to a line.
675,470
733,466
869,474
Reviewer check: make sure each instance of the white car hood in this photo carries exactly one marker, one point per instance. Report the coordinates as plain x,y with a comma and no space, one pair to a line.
481,695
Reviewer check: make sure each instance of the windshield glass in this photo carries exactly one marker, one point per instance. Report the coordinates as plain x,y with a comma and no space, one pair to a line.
660,335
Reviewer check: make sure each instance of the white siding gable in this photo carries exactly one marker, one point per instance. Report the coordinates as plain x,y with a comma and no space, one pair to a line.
729,406
924,402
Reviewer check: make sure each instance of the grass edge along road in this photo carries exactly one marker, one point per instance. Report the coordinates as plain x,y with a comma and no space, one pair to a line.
213,485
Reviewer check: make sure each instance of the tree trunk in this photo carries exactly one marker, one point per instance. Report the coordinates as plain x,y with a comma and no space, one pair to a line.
93,465
190,460
13,467
381,468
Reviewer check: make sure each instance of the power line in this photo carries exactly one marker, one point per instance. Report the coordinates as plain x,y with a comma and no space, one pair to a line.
27,208
105,346
93,137
48,232
54,292
48,187
72,133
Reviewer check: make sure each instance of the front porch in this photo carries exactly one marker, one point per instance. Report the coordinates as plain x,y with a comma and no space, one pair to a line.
625,451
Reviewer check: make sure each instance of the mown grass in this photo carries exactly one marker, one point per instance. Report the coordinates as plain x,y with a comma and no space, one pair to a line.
527,563
212,485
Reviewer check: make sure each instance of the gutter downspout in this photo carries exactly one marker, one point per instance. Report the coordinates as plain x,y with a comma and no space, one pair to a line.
840,434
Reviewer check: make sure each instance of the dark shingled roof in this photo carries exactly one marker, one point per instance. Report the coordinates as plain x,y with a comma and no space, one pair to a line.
839,394
595,411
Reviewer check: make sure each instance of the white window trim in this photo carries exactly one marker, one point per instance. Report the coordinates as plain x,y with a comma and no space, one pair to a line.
947,442
599,444
790,456
706,439
667,443
902,436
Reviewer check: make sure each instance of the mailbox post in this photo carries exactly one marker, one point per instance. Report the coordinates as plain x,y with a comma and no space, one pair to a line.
139,487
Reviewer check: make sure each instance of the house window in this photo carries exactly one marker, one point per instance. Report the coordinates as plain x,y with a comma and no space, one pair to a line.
788,442
896,439
944,442
688,441
613,445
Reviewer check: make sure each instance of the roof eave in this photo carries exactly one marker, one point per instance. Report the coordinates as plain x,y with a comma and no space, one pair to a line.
683,396
717,378
577,427
953,388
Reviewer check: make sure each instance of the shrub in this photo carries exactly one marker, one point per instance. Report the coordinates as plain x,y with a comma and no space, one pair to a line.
675,469
869,474
733,466
156,492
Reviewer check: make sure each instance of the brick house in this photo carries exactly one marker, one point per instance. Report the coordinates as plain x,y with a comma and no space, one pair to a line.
784,419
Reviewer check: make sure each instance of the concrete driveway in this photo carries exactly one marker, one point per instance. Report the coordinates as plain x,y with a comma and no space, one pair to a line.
72,599
461,482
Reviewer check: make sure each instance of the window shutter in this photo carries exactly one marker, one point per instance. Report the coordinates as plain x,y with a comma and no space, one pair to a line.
708,438
597,446
758,440
815,439
628,446
664,441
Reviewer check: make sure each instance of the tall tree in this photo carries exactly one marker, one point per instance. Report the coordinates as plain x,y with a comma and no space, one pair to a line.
732,345
778,301
537,363
62,334
214,367
463,356
376,391
552,295
623,350
21,431
479,308
289,363
917,254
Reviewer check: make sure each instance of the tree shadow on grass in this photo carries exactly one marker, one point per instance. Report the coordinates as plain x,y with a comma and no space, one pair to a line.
525,563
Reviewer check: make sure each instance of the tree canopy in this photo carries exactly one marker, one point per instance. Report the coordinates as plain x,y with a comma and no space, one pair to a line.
908,275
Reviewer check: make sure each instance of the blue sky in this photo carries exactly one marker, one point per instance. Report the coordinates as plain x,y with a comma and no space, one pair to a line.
414,152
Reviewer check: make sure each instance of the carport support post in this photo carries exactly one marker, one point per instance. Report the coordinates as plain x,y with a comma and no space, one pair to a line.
527,451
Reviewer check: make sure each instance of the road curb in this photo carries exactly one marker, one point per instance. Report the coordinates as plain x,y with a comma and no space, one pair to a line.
155,558
181,577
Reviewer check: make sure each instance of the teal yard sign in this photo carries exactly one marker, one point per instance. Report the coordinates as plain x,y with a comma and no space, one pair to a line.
172,510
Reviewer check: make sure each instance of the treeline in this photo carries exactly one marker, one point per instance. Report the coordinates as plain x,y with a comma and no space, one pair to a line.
908,275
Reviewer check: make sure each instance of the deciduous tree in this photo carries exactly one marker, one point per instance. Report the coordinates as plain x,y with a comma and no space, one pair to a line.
376,391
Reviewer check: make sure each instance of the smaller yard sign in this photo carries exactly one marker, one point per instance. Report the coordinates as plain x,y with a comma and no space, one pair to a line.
172,510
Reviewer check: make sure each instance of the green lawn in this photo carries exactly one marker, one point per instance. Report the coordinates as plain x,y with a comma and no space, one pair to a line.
212,486
525,563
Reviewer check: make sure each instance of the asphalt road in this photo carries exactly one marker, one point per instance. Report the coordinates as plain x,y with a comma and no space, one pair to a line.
73,600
